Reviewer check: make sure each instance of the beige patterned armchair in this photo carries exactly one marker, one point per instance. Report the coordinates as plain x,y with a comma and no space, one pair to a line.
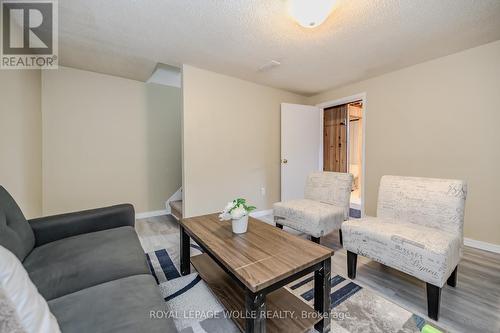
325,207
418,230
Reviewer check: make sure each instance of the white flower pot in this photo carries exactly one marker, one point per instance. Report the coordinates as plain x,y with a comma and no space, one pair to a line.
240,225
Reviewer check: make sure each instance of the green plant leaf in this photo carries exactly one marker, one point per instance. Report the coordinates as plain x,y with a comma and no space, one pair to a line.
241,202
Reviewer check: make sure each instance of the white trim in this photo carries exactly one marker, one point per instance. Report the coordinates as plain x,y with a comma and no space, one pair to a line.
345,100
482,245
321,138
151,214
261,213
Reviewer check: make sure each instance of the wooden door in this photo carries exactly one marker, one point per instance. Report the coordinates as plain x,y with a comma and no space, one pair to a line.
335,139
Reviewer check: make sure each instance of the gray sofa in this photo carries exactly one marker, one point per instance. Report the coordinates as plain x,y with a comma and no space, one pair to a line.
89,266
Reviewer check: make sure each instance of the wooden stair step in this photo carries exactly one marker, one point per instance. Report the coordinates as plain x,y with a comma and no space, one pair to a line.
176,208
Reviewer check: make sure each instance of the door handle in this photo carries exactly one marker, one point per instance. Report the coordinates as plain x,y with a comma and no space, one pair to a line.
285,161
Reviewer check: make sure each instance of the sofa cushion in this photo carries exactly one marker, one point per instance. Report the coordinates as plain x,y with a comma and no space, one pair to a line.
71,264
20,302
15,232
312,217
121,305
427,253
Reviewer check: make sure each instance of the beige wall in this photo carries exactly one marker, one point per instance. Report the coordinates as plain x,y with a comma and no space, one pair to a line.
231,141
108,140
437,119
21,138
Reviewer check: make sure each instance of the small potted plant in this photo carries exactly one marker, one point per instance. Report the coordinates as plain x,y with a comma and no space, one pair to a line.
237,211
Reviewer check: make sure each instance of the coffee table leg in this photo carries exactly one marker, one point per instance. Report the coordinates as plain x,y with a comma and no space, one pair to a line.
255,306
185,252
322,288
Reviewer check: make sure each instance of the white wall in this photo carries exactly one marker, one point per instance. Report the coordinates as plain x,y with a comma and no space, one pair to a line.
108,140
21,138
437,119
231,141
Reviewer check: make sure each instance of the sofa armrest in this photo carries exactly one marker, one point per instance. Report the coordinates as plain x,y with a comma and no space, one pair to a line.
51,228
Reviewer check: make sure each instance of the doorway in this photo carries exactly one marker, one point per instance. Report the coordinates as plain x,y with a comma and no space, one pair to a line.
343,146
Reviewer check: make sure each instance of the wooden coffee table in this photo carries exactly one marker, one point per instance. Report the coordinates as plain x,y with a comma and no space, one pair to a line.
247,272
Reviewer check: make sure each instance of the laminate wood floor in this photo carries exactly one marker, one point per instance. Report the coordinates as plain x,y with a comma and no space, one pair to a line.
473,306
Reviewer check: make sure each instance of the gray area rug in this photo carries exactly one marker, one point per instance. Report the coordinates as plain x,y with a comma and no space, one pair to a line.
195,309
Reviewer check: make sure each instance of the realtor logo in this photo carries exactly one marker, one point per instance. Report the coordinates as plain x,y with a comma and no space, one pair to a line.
29,34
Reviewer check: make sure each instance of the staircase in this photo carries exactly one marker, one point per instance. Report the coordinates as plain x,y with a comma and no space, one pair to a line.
176,209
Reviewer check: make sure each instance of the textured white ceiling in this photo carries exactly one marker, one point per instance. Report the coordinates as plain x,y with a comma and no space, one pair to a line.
361,39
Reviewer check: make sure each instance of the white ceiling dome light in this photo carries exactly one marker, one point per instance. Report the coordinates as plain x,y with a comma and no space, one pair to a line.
310,13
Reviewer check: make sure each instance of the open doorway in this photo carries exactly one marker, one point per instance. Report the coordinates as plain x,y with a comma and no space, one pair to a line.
343,145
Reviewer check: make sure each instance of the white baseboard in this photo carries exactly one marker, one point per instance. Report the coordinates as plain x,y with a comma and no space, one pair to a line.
482,245
261,213
151,214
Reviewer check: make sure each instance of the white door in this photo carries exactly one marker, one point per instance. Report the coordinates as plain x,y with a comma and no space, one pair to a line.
300,147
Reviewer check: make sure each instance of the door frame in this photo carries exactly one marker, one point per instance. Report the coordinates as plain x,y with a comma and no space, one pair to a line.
337,102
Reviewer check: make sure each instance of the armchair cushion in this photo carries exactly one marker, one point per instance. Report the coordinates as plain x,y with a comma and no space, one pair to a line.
332,188
312,217
52,228
424,252
432,202
71,264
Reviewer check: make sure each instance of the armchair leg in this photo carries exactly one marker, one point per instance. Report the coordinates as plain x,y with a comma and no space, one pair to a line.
316,240
352,259
279,225
433,301
452,280
340,237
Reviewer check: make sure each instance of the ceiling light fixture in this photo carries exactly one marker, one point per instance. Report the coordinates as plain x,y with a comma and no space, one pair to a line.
310,13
